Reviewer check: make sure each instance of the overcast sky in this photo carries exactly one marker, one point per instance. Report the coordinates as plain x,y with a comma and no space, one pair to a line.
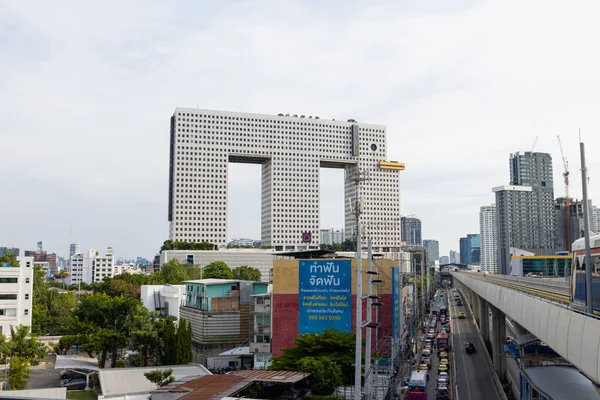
87,89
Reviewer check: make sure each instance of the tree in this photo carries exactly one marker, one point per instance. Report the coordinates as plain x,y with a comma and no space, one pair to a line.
160,377
193,271
183,346
326,374
23,345
10,259
146,329
217,270
246,273
18,373
173,272
170,342
338,346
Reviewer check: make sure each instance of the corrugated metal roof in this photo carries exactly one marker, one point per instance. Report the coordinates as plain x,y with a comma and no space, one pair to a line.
238,351
51,393
76,362
272,376
204,387
122,381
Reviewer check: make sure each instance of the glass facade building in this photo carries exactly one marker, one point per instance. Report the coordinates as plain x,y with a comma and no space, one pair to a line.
548,266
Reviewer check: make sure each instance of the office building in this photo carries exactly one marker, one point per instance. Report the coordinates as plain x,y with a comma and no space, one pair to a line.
411,231
489,238
291,151
244,242
525,208
13,250
454,257
444,260
595,219
221,313
331,236
464,250
16,295
74,248
91,266
564,241
474,248
433,251
544,266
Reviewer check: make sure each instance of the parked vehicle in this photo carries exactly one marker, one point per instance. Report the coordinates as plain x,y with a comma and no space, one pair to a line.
76,384
442,393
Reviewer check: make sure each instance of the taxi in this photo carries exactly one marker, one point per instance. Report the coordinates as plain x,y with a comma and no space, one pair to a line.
444,354
461,315
442,368
422,367
444,361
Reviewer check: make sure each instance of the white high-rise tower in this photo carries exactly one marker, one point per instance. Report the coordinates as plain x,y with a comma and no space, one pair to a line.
489,238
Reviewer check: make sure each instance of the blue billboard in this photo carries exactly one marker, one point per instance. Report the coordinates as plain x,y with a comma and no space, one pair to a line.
396,303
325,295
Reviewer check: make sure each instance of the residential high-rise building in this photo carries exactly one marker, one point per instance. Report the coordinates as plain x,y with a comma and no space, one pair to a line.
525,208
41,256
489,238
16,294
464,250
576,221
291,151
12,250
411,231
595,219
331,236
74,248
91,267
433,251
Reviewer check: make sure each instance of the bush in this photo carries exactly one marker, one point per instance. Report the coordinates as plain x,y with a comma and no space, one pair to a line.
120,364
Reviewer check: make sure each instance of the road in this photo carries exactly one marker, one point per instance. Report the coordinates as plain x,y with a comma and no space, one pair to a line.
473,379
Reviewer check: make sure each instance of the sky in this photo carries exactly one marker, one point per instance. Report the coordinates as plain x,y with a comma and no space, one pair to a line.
87,90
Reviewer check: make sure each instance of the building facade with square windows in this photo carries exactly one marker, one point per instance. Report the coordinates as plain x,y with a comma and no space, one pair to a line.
91,266
291,151
16,294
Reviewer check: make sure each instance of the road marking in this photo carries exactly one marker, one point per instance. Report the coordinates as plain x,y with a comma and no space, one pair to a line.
461,353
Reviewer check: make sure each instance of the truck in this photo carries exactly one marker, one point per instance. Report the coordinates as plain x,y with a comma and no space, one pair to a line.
417,386
442,342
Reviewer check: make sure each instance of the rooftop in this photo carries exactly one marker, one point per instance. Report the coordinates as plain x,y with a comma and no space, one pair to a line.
202,387
76,362
562,383
260,375
118,382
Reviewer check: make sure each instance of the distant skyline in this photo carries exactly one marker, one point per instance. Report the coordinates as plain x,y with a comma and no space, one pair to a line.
88,92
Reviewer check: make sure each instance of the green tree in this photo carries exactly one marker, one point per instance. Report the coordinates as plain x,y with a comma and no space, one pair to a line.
160,377
10,259
246,273
173,272
23,345
336,345
146,329
170,342
193,271
104,341
18,373
183,344
217,270
326,374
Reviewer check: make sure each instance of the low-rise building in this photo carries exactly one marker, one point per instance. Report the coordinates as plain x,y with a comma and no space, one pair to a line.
220,311
16,292
260,343
165,299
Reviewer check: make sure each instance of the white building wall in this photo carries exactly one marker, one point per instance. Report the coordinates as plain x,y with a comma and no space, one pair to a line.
171,296
90,267
257,258
16,295
291,150
595,219
489,238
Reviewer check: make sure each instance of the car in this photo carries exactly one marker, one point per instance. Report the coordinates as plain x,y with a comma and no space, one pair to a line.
446,321
461,315
426,353
430,336
459,303
76,383
422,367
443,354
443,381
428,344
445,361
469,348
443,374
443,368
426,361
447,328
442,393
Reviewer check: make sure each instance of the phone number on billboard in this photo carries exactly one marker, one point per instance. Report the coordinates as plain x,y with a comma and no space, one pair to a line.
324,318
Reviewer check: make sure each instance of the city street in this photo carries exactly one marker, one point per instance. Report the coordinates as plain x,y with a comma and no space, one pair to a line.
473,378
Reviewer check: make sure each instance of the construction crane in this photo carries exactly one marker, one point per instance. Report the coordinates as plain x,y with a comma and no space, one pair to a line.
567,199
534,143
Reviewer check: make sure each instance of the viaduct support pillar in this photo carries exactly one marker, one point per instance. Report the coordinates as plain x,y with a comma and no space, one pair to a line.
499,334
484,320
476,306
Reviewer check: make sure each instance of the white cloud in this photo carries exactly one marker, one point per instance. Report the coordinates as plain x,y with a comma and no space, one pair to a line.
87,90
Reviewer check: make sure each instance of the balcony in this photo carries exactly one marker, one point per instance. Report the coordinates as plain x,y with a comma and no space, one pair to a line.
262,308
262,328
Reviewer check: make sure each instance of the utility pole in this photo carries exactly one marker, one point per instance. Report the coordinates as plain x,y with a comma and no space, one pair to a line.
368,371
586,230
423,286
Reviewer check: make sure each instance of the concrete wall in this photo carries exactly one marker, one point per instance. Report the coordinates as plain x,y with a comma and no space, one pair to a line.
572,335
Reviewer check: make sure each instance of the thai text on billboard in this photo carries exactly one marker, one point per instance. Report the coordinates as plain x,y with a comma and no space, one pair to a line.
325,295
